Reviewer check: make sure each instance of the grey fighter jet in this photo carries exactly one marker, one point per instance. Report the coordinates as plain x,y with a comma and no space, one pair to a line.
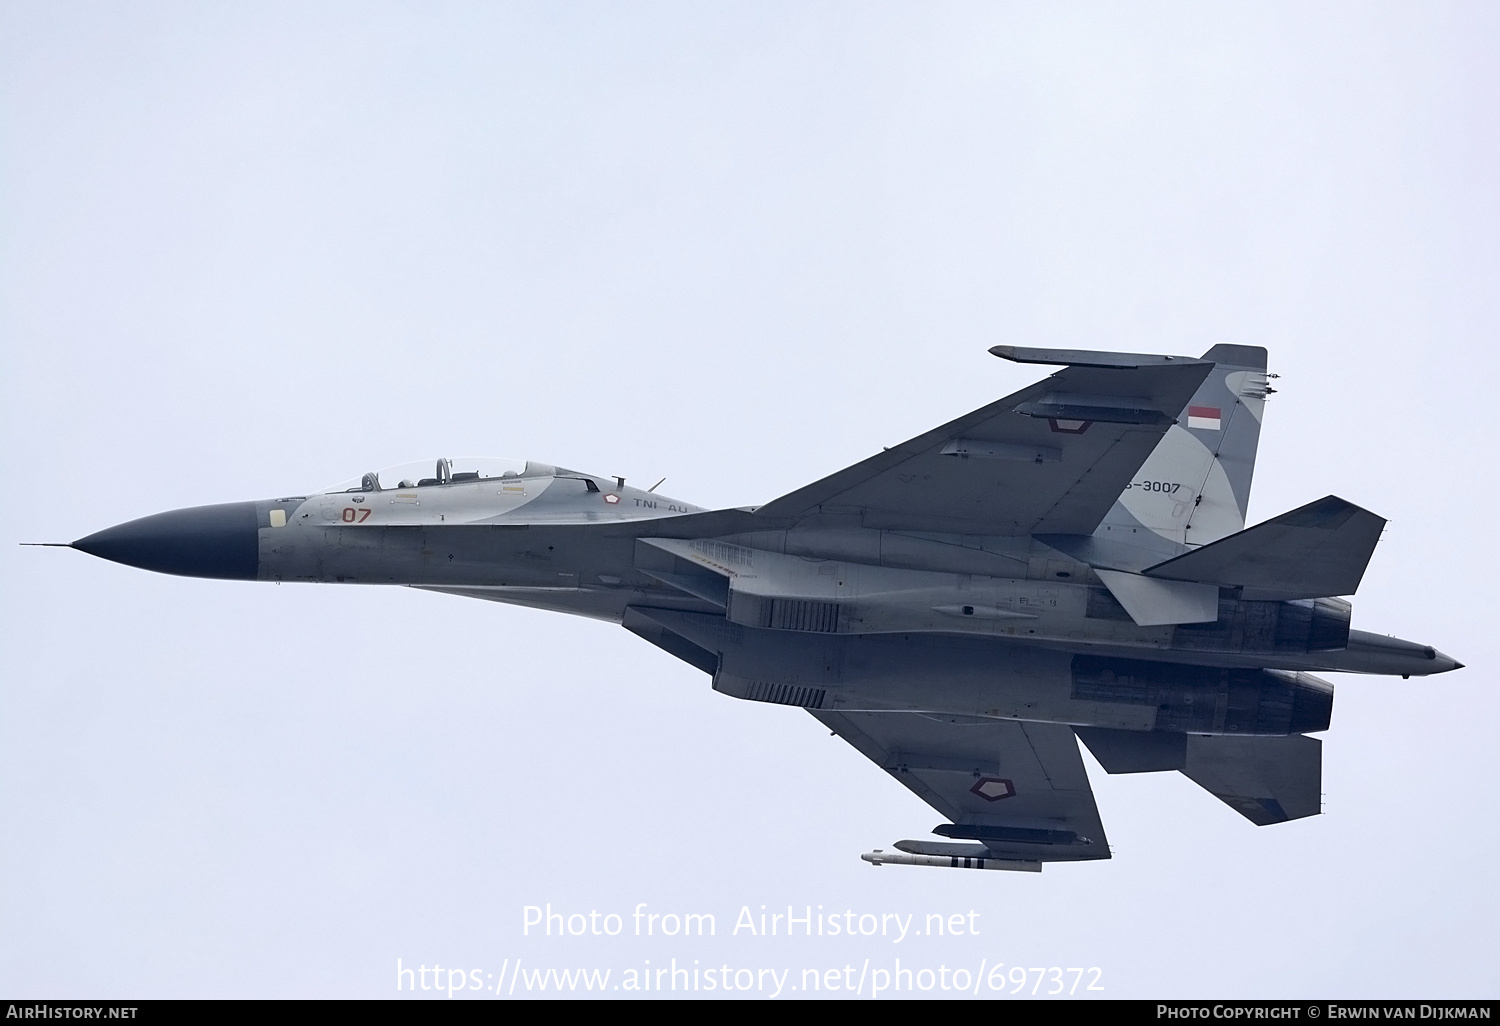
1070,562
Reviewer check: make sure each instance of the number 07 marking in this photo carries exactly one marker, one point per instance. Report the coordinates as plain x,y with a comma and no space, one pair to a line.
356,516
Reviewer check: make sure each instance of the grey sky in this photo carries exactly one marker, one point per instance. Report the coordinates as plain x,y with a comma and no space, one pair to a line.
248,250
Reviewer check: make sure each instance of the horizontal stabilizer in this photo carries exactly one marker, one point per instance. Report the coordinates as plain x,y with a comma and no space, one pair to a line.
1317,551
1265,779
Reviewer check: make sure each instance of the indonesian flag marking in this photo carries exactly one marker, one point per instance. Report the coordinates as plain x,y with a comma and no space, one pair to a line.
1205,418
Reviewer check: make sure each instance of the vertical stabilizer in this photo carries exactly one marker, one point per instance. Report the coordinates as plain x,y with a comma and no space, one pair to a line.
1195,486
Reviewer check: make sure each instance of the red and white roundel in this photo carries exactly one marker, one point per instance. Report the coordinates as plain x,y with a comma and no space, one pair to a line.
611,498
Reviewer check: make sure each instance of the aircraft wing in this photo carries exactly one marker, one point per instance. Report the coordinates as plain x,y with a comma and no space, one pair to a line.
1018,788
1050,459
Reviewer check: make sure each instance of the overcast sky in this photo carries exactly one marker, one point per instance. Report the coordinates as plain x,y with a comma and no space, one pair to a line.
249,250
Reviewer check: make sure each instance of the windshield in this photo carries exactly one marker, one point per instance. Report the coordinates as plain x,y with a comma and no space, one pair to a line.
434,473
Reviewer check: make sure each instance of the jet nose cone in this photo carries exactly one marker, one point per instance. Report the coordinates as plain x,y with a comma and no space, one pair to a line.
203,541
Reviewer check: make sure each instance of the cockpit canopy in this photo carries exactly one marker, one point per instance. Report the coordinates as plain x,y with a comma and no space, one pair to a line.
443,471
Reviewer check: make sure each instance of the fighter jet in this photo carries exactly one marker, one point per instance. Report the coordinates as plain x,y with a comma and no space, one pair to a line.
1069,563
